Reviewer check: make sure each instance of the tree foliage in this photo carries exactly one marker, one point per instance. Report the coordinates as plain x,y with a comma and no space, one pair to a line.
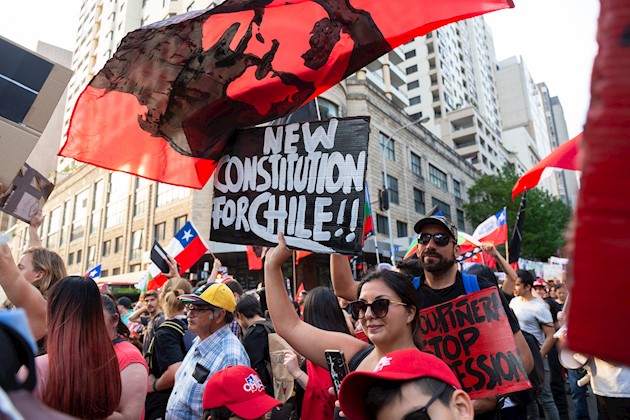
546,217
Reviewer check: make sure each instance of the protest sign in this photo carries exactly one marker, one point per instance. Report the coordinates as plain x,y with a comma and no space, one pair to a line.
472,335
303,179
27,194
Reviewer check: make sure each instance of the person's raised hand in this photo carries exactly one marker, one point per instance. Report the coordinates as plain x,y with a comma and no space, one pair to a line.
217,263
37,219
291,363
173,270
489,248
277,255
8,270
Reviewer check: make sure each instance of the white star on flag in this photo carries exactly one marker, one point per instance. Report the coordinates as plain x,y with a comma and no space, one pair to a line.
187,235
92,273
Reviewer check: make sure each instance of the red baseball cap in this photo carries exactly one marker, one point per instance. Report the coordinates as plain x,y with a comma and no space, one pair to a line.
539,283
398,366
240,389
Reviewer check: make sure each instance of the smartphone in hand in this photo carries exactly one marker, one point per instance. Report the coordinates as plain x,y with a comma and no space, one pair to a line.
337,367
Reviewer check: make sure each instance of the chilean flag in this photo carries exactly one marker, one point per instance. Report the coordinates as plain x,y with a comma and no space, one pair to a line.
494,229
186,248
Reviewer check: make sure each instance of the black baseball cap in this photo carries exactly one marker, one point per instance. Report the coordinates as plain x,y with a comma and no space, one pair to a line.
437,220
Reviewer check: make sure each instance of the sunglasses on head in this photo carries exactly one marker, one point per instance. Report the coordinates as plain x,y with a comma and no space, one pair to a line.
379,307
440,239
422,413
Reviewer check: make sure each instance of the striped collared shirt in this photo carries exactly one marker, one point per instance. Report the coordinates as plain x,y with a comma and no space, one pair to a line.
220,350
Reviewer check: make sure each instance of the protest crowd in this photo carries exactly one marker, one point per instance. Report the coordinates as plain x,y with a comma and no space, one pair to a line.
214,351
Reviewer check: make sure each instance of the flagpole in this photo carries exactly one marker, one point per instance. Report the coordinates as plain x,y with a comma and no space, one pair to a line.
507,248
294,279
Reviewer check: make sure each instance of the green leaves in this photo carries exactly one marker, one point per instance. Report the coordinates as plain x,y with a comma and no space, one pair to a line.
546,217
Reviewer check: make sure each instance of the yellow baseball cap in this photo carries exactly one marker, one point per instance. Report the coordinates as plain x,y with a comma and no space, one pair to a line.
217,294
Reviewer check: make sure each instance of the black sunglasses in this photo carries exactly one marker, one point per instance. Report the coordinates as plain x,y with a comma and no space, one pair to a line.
440,239
379,307
421,413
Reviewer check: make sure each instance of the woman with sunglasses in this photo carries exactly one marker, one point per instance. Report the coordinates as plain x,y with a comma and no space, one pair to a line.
386,306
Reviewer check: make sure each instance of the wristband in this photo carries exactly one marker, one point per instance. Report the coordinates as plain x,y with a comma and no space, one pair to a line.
153,384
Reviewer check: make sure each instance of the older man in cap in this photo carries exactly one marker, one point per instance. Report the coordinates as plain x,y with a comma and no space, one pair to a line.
215,348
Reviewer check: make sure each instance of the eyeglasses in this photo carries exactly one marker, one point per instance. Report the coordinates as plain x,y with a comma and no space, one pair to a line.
379,307
196,308
422,413
440,239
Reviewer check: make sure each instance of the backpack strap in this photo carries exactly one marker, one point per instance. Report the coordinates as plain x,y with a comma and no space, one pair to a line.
416,283
471,284
166,324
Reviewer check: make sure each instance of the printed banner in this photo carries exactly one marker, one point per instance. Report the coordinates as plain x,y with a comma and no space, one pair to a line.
303,179
26,195
472,335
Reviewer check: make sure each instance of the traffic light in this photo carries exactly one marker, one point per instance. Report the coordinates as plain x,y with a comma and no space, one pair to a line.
383,199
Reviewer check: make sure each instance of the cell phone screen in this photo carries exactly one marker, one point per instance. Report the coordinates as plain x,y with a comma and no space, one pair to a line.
337,367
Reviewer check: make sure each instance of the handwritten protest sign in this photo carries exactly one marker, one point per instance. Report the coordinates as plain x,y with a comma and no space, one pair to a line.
472,335
304,179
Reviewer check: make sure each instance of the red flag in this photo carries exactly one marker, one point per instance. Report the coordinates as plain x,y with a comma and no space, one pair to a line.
254,257
563,157
301,254
596,325
299,290
165,106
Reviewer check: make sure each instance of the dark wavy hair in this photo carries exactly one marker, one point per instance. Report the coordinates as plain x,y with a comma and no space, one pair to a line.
400,285
84,379
322,310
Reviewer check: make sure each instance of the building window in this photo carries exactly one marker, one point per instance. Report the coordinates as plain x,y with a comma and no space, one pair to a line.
80,214
136,245
179,223
418,201
141,196
438,178
167,194
443,207
118,244
414,101
416,164
91,257
71,258
134,268
457,189
97,206
104,273
159,231
381,224
392,184
401,228
327,109
388,148
411,69
461,224
413,85
115,271
54,225
79,256
410,54
107,248
117,199
67,221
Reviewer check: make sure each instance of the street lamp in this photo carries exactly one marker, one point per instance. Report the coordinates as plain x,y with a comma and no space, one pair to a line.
384,146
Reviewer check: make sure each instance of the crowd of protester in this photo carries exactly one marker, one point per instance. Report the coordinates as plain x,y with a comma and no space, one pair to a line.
204,351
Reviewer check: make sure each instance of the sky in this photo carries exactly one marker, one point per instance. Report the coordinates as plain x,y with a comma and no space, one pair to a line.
556,39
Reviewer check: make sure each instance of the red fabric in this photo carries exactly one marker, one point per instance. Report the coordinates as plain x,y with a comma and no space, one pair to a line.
184,85
596,324
254,259
127,354
299,290
318,403
564,157
301,254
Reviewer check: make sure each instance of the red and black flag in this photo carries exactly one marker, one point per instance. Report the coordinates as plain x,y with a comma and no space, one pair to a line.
514,249
166,104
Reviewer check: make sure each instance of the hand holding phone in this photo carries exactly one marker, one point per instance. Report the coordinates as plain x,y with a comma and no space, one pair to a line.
337,367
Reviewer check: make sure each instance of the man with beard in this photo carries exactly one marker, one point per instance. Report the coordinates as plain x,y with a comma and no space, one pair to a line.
440,281
151,317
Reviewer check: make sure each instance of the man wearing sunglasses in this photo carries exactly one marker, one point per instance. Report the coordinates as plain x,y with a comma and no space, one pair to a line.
440,282
209,316
408,385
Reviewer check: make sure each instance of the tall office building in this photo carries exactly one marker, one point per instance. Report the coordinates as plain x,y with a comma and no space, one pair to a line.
451,79
525,124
